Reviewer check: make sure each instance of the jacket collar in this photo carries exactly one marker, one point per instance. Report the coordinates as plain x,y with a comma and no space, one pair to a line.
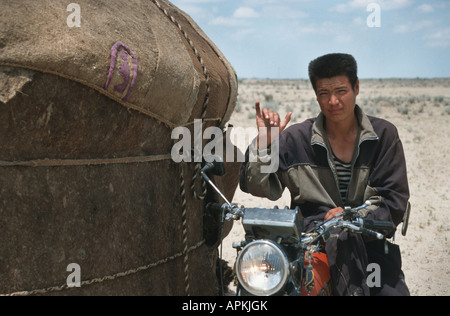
366,128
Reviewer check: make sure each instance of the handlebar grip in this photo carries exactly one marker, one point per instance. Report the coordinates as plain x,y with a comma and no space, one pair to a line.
377,225
214,207
373,233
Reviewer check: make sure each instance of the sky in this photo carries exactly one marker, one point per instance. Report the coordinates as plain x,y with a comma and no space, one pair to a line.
278,38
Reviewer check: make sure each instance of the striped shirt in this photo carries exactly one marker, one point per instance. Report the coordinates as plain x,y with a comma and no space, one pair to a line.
343,172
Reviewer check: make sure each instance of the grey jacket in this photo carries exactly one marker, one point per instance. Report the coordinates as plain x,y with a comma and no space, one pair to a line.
307,169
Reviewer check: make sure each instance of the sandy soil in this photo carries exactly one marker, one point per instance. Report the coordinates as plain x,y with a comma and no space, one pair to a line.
421,111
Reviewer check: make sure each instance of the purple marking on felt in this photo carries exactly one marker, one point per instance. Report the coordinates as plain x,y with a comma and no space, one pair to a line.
124,71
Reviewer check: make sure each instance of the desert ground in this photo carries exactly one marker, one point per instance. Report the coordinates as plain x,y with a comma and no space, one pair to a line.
420,109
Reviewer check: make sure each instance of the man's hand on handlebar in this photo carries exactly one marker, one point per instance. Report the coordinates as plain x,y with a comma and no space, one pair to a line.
333,212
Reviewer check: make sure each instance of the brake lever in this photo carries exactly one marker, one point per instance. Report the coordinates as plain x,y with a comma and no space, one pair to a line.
350,213
355,225
343,220
360,224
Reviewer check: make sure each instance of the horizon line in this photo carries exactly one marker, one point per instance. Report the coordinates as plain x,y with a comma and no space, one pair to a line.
365,78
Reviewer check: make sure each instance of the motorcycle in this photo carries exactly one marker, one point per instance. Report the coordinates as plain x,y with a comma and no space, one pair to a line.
277,257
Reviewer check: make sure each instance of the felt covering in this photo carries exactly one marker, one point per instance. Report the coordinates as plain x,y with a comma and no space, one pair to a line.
86,176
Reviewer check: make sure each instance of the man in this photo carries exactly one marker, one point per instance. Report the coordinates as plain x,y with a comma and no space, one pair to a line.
341,158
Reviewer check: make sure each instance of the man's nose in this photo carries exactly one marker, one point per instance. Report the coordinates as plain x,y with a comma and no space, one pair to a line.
334,100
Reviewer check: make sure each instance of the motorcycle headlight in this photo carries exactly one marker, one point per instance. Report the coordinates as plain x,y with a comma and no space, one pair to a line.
262,268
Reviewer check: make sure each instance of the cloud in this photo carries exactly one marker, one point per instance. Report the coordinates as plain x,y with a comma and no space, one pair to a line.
412,26
277,2
240,17
440,38
343,38
242,34
395,4
228,21
198,1
350,6
425,8
283,12
245,13
362,5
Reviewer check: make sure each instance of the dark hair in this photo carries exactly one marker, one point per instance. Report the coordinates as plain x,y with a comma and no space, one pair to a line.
332,65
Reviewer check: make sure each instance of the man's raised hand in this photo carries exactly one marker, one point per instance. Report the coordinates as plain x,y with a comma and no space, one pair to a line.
266,120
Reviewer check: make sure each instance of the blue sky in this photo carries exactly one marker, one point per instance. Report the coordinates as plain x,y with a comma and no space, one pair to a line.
278,38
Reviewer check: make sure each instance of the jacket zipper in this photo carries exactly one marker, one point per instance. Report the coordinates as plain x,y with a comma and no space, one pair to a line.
352,168
332,169
354,162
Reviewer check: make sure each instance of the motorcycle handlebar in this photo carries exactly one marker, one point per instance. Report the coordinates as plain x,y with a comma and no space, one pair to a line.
377,225
372,233
368,227
231,211
365,226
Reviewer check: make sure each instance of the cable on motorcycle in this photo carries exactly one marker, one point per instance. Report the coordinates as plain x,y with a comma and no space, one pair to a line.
222,219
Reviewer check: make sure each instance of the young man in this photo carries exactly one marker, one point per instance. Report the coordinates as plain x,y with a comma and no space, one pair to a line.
341,158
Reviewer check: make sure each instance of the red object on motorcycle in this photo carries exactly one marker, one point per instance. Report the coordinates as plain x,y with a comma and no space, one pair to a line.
321,276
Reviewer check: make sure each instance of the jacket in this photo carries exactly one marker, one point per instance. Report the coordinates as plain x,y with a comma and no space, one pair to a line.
307,169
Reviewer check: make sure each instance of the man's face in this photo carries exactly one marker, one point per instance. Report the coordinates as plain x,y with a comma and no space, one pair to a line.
336,97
